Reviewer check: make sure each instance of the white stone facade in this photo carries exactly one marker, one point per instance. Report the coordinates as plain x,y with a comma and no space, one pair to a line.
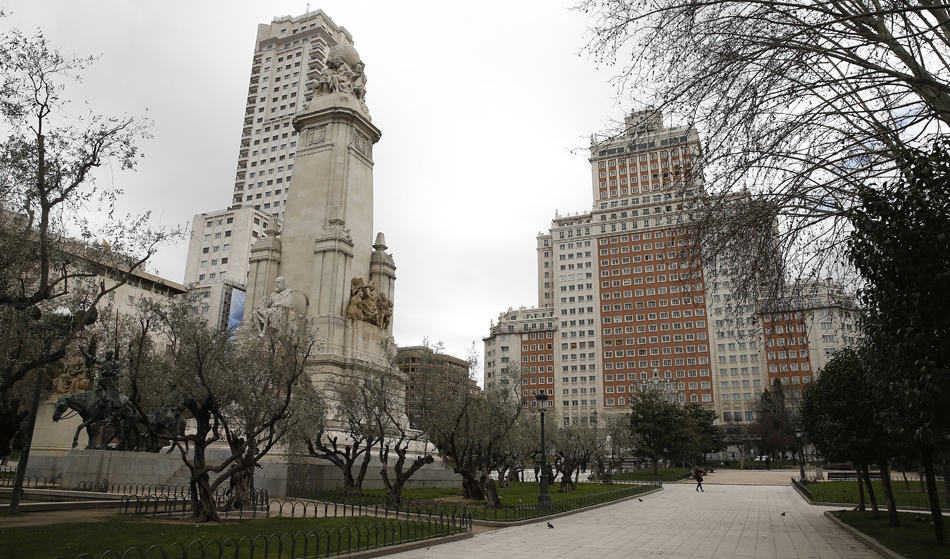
289,53
218,255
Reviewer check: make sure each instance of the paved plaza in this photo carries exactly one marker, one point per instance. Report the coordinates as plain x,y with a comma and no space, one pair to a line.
739,516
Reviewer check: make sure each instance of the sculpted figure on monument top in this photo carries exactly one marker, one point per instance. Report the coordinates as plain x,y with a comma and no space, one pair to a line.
344,73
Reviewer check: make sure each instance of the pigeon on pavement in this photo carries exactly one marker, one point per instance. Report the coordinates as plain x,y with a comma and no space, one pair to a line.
550,525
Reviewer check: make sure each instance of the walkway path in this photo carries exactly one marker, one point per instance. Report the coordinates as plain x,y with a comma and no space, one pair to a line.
729,520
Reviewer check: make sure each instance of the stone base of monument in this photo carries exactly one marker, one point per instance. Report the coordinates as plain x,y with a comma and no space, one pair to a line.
280,476
55,438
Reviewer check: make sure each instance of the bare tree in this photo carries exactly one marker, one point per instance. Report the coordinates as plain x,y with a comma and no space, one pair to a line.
50,283
575,446
739,435
798,102
385,396
520,448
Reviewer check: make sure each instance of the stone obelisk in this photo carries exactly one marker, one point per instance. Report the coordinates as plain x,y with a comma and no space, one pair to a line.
326,252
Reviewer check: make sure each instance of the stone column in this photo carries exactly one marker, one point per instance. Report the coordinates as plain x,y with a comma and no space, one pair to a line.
383,272
264,261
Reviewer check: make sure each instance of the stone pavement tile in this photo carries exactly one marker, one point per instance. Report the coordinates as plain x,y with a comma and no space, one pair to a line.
730,521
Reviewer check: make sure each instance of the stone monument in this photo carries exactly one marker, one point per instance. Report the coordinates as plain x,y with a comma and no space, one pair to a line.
326,264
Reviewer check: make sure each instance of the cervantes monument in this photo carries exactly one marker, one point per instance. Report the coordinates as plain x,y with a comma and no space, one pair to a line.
326,264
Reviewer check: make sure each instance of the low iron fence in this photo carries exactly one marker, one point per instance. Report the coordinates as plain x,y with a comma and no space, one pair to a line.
310,544
255,504
36,482
377,505
105,486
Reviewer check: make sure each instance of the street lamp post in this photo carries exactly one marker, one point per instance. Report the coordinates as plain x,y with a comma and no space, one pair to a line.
544,498
801,454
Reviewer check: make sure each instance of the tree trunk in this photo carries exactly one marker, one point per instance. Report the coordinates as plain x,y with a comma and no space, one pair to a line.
867,481
889,494
239,497
395,484
471,489
490,490
568,472
936,515
859,469
203,506
364,465
503,476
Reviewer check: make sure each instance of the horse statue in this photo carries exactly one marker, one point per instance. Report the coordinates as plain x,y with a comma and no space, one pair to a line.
164,422
89,407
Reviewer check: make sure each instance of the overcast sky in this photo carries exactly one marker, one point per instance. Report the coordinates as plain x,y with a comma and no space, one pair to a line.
485,110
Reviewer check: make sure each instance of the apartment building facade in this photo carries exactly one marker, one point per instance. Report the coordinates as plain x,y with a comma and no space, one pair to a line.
217,264
625,293
289,54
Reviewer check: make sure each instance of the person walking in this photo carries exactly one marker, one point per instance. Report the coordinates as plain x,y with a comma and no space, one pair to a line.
768,463
699,480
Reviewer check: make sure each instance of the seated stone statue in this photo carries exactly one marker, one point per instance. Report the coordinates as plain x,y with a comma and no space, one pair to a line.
272,313
73,380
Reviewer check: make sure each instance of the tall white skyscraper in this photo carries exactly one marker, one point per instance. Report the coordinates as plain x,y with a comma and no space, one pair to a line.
289,53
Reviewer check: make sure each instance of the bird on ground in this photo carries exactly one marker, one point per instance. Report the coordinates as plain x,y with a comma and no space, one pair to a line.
550,525
931,523
639,499
919,518
783,514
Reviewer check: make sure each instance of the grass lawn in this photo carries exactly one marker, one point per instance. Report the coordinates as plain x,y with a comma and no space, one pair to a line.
913,539
122,532
847,492
527,492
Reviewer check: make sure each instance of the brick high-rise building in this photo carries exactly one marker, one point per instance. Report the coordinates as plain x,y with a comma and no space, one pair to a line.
623,282
624,296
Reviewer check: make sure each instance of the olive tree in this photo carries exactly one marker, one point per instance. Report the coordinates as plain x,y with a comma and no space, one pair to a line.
240,388
55,267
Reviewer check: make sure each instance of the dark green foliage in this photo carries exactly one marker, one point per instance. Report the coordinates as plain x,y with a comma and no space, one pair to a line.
901,247
774,427
663,429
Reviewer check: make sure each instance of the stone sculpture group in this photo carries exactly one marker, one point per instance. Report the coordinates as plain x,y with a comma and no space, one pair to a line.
369,305
344,74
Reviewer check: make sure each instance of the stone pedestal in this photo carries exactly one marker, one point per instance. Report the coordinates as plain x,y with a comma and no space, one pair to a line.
55,438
